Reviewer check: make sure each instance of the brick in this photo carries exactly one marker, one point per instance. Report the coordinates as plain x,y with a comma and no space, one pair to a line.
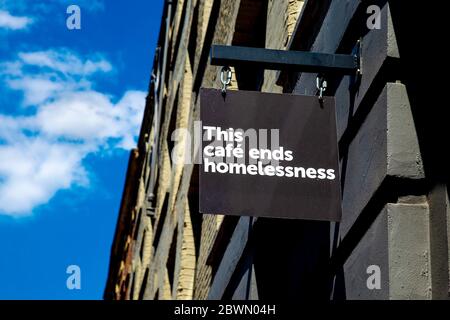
230,258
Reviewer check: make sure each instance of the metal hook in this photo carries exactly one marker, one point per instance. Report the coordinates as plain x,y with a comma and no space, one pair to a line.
321,85
225,79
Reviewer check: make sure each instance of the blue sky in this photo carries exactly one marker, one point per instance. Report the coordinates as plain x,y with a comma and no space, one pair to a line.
71,104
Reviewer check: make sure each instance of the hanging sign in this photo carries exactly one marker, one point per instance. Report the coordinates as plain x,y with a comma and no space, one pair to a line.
269,155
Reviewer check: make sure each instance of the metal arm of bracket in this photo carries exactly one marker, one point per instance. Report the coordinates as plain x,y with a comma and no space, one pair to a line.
300,61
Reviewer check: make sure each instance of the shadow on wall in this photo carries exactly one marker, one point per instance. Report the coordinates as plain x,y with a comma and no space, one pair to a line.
291,259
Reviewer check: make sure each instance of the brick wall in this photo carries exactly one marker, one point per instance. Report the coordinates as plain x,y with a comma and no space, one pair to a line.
395,200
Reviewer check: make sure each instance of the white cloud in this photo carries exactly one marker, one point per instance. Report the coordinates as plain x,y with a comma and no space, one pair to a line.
60,72
43,152
91,117
35,89
34,170
8,21
64,62
28,12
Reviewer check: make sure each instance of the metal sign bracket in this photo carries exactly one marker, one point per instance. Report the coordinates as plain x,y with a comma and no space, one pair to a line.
298,61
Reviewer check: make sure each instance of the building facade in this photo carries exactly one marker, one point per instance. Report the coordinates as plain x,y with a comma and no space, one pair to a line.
392,242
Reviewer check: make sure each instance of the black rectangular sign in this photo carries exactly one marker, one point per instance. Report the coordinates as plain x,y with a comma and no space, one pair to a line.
269,155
